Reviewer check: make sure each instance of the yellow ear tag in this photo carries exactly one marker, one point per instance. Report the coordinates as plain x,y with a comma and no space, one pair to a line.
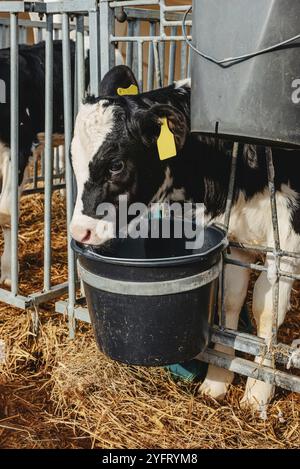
132,90
166,141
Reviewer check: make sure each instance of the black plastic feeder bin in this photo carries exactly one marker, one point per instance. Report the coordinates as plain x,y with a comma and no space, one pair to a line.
254,97
152,301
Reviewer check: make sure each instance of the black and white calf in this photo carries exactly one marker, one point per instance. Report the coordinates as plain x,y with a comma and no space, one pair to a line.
114,152
31,121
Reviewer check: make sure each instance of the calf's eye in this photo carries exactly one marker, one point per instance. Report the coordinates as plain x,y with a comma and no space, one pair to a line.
116,167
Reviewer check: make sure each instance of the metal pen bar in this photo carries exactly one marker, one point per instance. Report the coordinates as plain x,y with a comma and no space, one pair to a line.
157,65
35,173
66,6
246,265
12,7
129,45
18,301
40,34
132,3
41,179
222,316
181,8
253,345
260,268
162,51
14,147
75,89
94,53
252,369
164,22
107,56
183,59
136,31
231,184
48,152
150,79
56,165
42,165
2,35
162,18
68,124
40,190
42,297
80,77
147,38
275,287
80,312
150,15
140,66
172,58
229,202
189,63
141,14
167,23
80,66
263,249
29,24
7,37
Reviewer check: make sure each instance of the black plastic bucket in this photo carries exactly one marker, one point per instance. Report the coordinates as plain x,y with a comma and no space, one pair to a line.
251,98
151,301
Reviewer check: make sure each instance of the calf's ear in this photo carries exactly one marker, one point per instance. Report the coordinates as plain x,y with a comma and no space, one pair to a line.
151,121
119,77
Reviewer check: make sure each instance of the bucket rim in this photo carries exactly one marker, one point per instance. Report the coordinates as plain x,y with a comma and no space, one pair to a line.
155,262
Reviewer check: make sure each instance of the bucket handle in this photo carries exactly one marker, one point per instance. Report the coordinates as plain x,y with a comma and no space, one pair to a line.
231,60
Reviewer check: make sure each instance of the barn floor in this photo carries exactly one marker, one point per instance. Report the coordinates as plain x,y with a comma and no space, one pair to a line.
57,393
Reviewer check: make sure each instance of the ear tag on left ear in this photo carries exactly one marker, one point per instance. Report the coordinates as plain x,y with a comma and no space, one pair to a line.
166,141
132,90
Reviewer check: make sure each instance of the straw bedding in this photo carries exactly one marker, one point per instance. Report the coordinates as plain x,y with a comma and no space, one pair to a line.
58,393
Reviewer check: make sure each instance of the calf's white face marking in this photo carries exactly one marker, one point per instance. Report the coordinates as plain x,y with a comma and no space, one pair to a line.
93,123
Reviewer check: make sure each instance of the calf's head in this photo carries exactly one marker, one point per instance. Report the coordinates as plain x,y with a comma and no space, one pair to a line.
114,154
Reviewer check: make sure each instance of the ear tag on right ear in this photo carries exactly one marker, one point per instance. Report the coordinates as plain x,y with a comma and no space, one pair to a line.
132,90
166,141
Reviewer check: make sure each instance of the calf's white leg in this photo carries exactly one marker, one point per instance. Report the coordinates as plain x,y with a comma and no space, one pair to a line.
5,214
258,393
217,379
5,278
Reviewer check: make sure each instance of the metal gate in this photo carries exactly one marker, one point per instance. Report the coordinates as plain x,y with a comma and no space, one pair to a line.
14,31
153,45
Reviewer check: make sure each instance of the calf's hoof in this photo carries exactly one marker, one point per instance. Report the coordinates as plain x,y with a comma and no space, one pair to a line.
5,280
257,396
5,277
216,382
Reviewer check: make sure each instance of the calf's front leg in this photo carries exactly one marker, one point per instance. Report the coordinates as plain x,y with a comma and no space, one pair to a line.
218,379
258,393
5,277
5,216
